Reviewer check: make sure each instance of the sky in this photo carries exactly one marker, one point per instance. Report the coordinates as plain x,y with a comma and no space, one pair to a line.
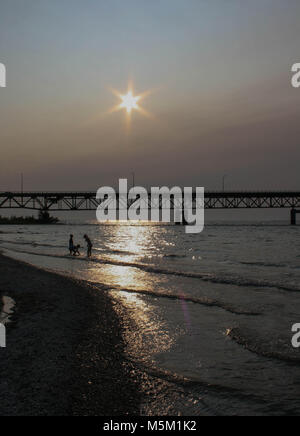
221,99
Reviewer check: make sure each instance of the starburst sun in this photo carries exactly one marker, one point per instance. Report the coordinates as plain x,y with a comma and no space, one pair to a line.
130,101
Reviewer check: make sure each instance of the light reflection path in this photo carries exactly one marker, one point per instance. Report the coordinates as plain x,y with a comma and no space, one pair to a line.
150,334
136,240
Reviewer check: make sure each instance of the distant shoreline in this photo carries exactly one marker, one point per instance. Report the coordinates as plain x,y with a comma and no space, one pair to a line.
43,218
30,224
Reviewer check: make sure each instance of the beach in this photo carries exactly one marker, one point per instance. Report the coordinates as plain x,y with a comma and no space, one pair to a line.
65,351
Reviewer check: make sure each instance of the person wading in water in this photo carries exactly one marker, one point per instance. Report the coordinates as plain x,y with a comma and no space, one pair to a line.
89,245
71,244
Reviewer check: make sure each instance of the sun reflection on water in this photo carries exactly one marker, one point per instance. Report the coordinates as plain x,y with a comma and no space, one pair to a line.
136,241
145,330
149,335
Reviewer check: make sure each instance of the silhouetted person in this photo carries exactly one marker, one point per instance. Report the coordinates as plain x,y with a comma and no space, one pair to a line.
76,250
71,244
89,245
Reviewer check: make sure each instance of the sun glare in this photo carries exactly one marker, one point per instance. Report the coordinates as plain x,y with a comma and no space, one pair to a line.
130,101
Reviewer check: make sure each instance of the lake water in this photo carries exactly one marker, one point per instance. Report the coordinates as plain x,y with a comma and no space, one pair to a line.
213,312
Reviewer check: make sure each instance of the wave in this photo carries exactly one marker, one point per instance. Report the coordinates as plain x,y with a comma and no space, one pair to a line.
32,244
266,264
250,342
174,256
36,244
191,384
204,301
206,277
121,252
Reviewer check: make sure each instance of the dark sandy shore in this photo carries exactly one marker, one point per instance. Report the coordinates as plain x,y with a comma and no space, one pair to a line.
65,351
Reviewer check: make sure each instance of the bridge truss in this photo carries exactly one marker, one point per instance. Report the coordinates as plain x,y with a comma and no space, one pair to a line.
85,201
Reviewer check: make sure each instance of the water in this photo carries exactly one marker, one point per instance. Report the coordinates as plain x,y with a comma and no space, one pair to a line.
212,312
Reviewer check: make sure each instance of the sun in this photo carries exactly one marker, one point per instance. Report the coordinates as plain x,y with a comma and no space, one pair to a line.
130,101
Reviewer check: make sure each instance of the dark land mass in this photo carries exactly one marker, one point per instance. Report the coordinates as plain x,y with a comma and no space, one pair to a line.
43,218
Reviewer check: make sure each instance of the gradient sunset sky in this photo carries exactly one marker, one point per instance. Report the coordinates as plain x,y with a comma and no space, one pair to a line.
221,101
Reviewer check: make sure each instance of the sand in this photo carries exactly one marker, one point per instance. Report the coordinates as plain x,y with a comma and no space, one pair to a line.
65,352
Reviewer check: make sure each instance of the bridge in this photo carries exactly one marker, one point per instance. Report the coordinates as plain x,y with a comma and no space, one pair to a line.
86,201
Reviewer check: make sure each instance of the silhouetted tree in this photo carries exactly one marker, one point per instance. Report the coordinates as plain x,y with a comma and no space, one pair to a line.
45,218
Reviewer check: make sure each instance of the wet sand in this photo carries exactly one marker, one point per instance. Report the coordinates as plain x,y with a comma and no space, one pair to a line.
65,353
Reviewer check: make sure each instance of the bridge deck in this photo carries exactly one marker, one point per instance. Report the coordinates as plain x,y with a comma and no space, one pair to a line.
65,201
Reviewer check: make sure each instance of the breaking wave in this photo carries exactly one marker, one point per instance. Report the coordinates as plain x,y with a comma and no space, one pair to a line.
206,277
263,348
204,301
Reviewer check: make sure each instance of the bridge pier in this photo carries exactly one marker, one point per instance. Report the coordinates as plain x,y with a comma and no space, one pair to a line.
180,218
293,216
